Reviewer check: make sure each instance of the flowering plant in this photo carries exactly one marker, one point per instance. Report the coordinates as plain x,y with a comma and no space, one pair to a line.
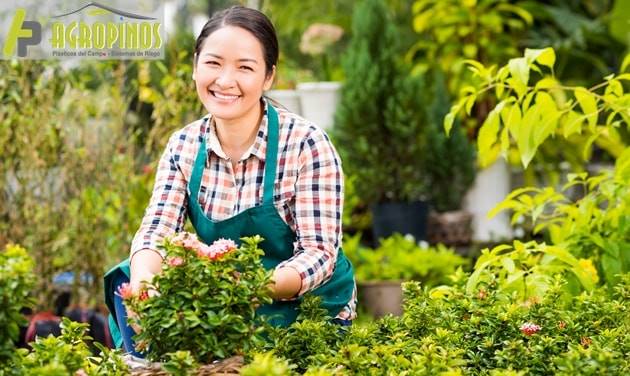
205,299
317,38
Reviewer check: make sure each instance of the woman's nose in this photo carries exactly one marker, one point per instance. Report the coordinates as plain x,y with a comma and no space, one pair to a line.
225,78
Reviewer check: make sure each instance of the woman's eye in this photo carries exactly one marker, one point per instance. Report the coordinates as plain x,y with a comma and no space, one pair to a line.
245,67
212,63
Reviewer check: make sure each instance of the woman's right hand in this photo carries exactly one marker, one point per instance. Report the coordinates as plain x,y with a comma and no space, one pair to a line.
144,265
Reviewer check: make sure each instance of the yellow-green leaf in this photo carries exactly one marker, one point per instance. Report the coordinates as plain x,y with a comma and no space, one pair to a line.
588,103
546,83
519,69
547,57
448,121
572,123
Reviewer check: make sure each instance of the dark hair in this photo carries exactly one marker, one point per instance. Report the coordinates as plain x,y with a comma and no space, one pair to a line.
249,19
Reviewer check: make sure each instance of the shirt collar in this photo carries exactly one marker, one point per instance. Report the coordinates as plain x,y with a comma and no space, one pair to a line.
258,148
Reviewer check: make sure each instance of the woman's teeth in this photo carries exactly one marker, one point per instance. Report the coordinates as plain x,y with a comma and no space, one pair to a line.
226,97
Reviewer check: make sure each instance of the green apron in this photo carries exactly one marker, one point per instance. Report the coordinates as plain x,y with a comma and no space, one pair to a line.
262,220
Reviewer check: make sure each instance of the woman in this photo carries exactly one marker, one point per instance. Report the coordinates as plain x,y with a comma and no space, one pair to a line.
248,168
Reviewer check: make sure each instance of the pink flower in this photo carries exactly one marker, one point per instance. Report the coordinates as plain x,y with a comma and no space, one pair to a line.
221,247
530,328
188,241
175,261
124,291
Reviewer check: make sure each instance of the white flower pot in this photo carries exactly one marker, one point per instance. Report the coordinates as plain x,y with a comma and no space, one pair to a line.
319,101
290,99
492,185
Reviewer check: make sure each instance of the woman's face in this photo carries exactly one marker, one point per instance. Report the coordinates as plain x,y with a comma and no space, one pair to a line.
230,74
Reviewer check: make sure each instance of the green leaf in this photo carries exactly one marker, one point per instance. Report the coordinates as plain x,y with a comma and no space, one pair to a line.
448,122
545,56
572,123
519,69
588,103
508,264
625,64
546,83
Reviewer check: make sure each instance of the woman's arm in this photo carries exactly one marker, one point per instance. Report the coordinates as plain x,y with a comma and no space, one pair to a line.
317,214
164,216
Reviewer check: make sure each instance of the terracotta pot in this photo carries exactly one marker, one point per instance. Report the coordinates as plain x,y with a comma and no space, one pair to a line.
381,297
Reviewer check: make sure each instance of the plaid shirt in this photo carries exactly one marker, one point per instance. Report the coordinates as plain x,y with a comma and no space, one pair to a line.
308,192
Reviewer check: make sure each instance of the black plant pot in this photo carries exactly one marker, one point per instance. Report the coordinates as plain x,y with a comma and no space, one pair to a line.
401,217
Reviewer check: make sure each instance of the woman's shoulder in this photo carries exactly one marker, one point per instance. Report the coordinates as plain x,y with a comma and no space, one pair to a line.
190,133
299,127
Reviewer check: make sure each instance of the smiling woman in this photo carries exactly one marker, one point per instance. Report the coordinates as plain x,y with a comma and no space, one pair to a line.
246,169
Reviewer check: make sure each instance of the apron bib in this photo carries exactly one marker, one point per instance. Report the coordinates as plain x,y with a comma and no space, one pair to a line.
263,220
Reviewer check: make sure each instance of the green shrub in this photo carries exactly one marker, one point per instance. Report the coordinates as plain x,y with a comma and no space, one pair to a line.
399,258
205,302
446,330
67,354
16,282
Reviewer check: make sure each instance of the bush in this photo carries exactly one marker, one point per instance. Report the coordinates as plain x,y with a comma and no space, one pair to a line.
16,282
400,259
486,332
206,300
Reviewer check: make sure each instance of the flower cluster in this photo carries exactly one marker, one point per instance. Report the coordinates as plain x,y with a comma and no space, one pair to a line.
529,328
126,293
191,242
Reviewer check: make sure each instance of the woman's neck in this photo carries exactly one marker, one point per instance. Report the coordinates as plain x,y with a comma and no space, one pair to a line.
237,136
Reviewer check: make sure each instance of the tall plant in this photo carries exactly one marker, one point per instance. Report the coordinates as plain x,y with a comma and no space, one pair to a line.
529,112
379,123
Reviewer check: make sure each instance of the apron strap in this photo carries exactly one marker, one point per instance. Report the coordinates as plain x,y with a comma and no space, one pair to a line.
270,159
271,154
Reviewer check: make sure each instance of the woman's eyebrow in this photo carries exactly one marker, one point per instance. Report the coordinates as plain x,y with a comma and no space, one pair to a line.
241,60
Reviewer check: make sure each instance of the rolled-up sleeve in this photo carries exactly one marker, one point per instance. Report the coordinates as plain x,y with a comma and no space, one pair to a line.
318,211
166,212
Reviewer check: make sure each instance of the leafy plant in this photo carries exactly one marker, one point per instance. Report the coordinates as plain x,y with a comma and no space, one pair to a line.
595,225
311,339
400,259
68,354
527,270
489,331
525,117
16,282
59,173
206,299
511,124
379,122
267,364
453,30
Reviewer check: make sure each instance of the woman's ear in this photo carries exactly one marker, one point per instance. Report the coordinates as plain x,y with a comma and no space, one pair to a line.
269,79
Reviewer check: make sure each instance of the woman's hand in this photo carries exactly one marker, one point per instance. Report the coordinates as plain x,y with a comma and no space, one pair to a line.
144,265
286,284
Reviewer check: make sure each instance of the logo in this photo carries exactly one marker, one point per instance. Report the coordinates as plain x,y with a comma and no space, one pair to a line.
22,33
94,30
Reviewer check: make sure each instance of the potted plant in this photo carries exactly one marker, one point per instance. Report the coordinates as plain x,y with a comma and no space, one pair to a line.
379,125
319,100
381,271
450,171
